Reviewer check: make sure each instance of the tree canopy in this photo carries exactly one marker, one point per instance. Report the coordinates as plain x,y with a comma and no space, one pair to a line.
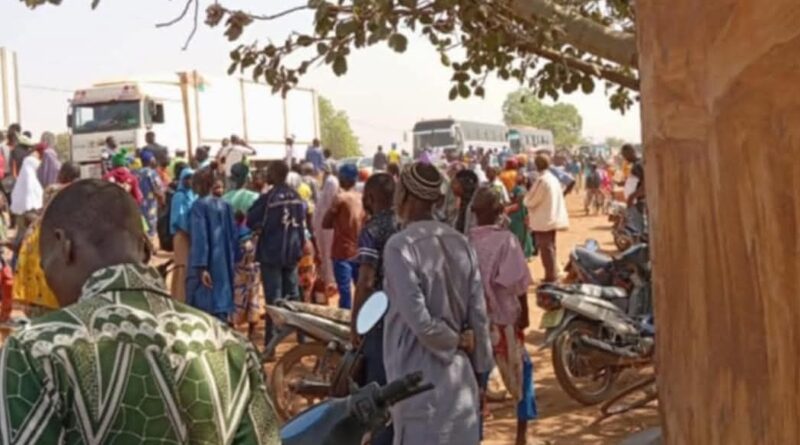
336,132
564,120
550,46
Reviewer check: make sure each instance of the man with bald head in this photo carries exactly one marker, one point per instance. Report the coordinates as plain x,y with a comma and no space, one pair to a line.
123,362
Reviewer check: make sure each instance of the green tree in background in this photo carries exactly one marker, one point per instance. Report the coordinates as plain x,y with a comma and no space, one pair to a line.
336,132
522,107
615,142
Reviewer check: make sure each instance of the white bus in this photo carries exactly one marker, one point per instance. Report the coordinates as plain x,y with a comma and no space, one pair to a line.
530,140
444,136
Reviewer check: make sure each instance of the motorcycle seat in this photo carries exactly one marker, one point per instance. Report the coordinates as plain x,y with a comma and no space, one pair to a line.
604,292
592,260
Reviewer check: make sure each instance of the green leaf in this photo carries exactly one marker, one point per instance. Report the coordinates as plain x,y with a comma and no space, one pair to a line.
344,29
587,85
480,92
305,40
463,90
410,4
445,60
398,42
322,48
340,65
453,93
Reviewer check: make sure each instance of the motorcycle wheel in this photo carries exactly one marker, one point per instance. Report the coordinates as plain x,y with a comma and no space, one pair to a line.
311,362
570,367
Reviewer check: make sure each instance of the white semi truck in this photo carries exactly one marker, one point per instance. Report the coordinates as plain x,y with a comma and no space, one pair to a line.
188,110
9,88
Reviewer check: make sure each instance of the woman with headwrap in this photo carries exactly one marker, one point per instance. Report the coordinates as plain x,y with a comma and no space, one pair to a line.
509,175
464,186
240,198
152,190
180,207
30,288
123,177
518,215
27,195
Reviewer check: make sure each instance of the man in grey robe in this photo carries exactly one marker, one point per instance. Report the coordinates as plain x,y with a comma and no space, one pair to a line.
437,320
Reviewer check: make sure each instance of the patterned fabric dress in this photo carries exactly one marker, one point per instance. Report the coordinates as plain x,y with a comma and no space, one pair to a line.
150,186
129,365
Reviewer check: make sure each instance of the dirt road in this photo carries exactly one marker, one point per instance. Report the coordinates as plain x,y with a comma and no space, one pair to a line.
562,420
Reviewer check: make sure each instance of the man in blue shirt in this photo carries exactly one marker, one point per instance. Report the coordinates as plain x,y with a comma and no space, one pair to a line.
314,156
279,216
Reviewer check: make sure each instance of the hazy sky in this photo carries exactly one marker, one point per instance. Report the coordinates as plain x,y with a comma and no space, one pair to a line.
70,47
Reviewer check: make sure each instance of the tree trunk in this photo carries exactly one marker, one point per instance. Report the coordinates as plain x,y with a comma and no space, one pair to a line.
582,33
721,123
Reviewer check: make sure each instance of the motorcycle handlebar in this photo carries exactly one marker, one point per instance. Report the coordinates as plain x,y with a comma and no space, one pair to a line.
402,389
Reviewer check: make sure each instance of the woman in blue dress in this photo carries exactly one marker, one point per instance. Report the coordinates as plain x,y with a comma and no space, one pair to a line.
152,190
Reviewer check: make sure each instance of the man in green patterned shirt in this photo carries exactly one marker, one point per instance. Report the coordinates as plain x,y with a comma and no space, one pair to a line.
123,363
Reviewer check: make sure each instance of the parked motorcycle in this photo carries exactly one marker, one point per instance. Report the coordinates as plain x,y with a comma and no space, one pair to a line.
595,333
625,270
628,226
346,421
305,374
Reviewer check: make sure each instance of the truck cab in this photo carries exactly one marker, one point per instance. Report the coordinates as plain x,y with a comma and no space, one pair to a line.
121,111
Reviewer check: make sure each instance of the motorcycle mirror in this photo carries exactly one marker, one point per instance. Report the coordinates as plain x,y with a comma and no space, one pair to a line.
371,312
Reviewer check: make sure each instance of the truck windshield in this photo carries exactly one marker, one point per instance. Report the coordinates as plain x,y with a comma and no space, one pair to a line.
111,116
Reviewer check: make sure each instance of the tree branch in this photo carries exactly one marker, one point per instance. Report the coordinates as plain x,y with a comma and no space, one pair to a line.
194,25
180,17
280,14
582,33
585,67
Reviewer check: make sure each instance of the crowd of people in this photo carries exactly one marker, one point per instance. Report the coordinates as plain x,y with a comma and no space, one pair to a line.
449,242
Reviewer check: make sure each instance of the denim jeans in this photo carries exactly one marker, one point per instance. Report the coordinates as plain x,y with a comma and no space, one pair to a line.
374,371
346,274
279,283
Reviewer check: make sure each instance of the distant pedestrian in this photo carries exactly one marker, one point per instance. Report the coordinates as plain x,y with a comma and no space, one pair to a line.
236,152
547,214
493,180
290,151
394,155
152,190
593,184
108,152
379,161
464,186
48,170
122,176
344,217
314,156
323,236
180,209
214,248
159,151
